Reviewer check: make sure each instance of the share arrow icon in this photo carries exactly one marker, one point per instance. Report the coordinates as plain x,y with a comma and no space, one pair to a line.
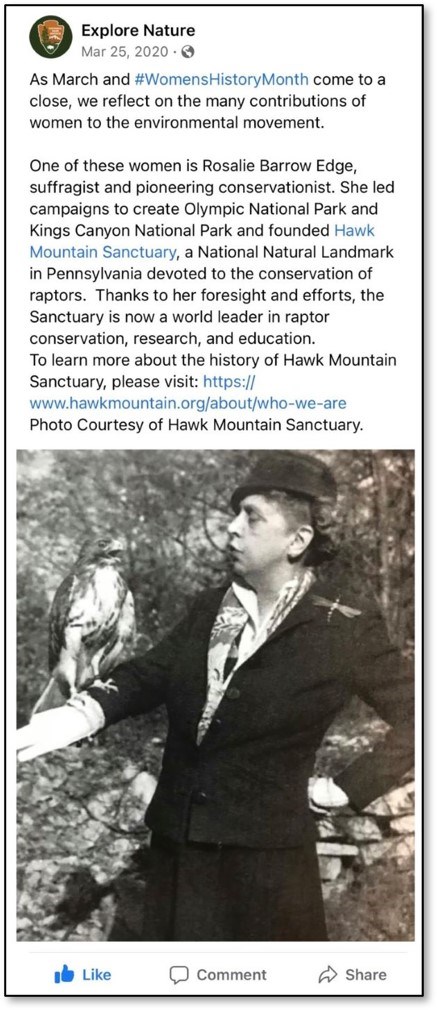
328,974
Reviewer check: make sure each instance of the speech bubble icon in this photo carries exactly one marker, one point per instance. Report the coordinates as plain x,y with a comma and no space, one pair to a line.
179,973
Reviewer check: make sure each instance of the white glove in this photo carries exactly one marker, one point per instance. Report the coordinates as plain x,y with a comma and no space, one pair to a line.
59,727
325,794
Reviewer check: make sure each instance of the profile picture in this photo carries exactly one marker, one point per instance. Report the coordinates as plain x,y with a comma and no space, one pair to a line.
50,36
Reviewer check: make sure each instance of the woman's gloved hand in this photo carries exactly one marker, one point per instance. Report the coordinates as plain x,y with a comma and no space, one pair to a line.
324,794
58,727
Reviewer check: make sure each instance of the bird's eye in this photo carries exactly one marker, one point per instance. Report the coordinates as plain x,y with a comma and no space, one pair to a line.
102,543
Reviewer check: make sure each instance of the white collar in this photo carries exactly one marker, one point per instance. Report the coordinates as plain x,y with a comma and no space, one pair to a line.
249,599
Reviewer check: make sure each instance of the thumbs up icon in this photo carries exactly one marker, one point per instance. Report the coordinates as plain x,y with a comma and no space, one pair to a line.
66,975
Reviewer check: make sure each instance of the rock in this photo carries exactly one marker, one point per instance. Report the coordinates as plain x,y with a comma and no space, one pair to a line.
400,849
136,800
326,828
129,772
404,849
336,849
143,788
330,867
334,888
399,801
361,829
403,825
373,853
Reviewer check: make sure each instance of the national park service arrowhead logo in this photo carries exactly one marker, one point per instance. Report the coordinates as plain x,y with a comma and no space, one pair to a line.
50,36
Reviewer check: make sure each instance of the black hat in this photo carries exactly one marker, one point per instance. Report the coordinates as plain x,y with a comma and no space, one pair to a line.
295,472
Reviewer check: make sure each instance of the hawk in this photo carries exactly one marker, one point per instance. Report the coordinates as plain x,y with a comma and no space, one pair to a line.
92,622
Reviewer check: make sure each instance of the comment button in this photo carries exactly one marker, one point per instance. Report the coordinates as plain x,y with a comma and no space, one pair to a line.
179,973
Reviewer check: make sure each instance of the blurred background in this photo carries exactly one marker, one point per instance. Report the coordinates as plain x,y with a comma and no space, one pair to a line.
82,845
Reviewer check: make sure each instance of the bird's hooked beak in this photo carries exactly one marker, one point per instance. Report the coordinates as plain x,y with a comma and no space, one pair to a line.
116,548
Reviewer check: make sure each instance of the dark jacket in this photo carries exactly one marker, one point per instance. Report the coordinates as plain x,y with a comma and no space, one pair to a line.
246,784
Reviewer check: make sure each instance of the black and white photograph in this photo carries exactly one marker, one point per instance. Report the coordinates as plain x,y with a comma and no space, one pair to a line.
215,694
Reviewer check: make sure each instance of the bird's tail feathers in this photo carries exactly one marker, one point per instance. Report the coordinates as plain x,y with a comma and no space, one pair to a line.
52,697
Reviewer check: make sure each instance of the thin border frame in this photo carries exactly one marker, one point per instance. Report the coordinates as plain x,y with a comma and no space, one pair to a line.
422,458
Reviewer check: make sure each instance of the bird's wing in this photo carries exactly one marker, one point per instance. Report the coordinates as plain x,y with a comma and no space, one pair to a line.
127,623
59,618
123,634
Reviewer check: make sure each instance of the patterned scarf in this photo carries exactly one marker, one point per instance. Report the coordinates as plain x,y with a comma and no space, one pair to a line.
224,642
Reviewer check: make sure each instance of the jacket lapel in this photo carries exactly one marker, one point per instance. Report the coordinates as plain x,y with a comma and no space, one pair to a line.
318,605
305,612
196,683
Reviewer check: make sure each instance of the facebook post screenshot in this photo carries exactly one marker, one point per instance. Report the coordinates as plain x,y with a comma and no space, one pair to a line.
214,500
